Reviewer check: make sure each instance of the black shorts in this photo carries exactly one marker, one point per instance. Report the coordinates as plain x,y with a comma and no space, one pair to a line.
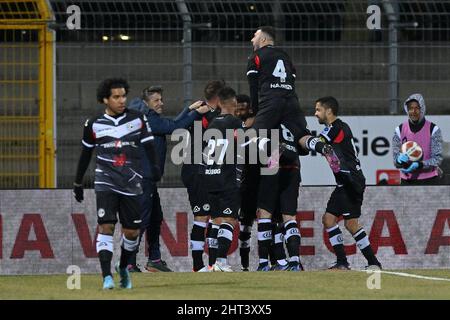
284,110
249,194
279,192
197,195
109,204
225,204
343,201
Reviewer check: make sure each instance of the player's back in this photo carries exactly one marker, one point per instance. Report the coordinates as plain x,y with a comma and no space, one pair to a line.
193,164
276,73
220,173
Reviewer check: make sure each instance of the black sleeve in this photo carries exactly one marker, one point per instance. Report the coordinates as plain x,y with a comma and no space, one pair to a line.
83,163
330,133
253,79
88,134
153,158
88,142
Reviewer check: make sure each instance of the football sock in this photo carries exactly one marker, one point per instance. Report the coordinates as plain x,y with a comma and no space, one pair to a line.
315,144
224,239
264,239
104,248
362,242
292,238
244,244
127,249
198,244
133,257
336,240
213,244
278,244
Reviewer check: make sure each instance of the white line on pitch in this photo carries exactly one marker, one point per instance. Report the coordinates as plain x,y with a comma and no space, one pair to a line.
402,274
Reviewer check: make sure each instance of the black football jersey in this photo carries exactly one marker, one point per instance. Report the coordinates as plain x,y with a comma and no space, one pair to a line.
275,72
205,121
220,173
340,136
118,156
289,157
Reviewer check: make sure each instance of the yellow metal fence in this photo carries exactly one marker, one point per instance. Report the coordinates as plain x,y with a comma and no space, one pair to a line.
27,151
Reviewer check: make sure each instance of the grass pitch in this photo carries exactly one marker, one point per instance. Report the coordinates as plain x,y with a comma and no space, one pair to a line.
233,286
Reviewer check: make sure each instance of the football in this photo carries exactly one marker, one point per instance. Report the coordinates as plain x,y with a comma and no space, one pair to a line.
413,150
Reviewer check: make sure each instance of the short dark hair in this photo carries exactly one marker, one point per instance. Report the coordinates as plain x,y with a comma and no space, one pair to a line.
212,88
105,87
243,98
226,93
147,92
329,103
269,30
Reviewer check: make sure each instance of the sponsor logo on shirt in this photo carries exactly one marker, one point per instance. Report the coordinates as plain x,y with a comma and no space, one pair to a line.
213,171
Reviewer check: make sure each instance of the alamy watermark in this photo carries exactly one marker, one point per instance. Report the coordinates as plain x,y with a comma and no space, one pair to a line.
374,20
374,279
238,146
74,279
73,22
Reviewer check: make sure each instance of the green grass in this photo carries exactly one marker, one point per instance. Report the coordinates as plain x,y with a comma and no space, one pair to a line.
228,286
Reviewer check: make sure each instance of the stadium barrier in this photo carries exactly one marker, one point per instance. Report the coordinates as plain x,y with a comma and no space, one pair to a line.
46,231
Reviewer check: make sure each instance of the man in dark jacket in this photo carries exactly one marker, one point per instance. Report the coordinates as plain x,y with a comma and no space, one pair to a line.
151,104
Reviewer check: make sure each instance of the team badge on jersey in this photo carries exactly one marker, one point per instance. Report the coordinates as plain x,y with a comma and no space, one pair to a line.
130,126
101,213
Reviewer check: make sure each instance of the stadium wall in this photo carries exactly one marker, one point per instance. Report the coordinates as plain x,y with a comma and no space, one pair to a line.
45,231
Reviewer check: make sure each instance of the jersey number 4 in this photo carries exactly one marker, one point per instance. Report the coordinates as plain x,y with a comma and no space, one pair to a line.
280,71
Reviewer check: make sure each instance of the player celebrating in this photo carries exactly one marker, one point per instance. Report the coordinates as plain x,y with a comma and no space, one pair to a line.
271,77
279,192
116,135
347,197
249,186
192,174
221,176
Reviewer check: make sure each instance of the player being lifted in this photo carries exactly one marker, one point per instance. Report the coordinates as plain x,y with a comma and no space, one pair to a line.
116,135
192,174
347,197
221,175
271,75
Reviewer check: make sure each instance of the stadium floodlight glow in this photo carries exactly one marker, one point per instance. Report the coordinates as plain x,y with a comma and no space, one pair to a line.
105,38
124,37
